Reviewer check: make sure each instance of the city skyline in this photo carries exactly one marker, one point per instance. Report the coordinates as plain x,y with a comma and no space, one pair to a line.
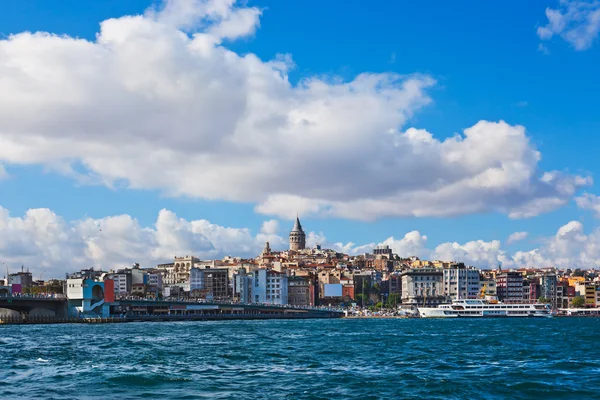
139,131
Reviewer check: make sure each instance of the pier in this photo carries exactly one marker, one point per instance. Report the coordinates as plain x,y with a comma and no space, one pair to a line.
41,310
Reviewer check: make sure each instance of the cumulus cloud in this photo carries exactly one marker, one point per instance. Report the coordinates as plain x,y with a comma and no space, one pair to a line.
43,241
516,237
270,227
570,247
219,18
156,101
491,167
589,201
576,21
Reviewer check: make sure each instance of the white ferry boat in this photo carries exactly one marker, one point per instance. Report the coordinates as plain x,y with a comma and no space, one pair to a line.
485,308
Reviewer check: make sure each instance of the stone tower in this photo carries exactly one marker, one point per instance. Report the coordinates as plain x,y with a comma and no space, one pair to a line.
297,237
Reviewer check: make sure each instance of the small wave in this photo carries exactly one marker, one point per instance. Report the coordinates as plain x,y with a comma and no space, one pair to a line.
145,380
42,360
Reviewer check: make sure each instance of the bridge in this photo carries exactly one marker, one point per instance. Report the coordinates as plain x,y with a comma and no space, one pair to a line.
32,306
47,309
231,309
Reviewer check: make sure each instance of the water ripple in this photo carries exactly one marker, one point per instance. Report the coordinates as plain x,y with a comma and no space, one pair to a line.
313,359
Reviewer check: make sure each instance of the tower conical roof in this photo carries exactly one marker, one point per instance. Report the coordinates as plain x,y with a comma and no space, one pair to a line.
297,226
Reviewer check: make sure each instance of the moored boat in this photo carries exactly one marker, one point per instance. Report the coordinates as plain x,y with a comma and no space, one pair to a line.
484,308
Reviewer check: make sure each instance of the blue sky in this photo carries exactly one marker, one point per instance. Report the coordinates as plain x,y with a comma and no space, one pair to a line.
485,58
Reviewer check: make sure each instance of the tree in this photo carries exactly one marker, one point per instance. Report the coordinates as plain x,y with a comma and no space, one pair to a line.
578,302
379,306
543,299
54,286
393,300
362,299
376,289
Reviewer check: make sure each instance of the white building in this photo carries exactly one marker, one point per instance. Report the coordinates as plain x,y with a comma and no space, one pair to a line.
122,283
461,283
269,287
422,286
75,288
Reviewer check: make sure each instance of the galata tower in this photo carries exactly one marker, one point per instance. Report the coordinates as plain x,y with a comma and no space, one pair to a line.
297,237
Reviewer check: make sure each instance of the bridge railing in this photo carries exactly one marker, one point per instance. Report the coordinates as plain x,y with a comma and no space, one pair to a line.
34,296
225,302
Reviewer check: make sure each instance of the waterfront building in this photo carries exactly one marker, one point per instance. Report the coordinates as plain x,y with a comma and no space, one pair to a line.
122,282
211,283
509,285
137,275
297,237
299,293
348,291
20,280
155,280
564,294
196,279
392,284
548,284
423,286
531,289
217,283
461,282
242,286
177,272
269,287
87,296
587,290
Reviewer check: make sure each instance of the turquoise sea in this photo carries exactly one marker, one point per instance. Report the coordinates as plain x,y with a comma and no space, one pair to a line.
311,359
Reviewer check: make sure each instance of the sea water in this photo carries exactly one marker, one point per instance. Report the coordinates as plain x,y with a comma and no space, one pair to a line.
304,359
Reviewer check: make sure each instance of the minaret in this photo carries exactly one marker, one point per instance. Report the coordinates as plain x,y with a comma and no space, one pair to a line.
297,237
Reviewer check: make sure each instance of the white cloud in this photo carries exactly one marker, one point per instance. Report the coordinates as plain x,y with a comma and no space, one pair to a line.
576,21
478,253
43,241
157,102
543,49
589,201
270,227
570,247
219,19
3,173
516,237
